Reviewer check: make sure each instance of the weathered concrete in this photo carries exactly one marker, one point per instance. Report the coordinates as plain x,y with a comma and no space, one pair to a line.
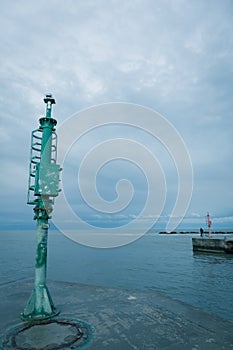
124,319
214,245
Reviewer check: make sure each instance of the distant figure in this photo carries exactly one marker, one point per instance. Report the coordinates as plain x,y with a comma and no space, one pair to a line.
201,232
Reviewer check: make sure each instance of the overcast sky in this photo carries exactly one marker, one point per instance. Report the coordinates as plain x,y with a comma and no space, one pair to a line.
173,56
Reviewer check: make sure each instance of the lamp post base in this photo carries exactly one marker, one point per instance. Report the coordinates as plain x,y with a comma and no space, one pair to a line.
39,306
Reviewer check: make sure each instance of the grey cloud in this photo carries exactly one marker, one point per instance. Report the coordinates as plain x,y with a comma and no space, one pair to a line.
173,56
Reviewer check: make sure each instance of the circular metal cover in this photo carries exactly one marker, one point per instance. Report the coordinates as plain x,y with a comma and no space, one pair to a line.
53,334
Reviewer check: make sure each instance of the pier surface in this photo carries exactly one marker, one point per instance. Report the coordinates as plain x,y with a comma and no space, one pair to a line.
124,319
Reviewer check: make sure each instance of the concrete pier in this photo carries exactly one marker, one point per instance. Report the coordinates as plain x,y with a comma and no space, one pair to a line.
214,245
122,319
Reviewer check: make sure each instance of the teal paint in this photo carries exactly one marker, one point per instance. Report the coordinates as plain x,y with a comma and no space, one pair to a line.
44,185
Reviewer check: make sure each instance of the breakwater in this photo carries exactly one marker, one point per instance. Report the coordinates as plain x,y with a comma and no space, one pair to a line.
196,232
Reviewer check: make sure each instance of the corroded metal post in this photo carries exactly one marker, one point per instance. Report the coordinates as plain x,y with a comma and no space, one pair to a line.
44,186
209,223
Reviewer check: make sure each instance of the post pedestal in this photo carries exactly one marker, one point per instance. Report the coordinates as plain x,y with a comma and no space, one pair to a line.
40,304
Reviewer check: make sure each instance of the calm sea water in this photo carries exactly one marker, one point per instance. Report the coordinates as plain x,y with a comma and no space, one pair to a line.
155,262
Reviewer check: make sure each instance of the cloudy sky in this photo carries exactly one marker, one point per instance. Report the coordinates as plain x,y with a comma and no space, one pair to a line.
172,56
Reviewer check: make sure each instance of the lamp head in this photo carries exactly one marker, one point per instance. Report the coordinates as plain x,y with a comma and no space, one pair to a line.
49,98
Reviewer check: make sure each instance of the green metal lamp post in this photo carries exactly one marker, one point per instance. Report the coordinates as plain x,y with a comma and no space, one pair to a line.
44,187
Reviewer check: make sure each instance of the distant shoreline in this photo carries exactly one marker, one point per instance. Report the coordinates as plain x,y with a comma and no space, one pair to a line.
196,232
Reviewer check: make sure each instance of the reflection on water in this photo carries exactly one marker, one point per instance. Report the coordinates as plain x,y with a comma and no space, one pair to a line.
209,258
155,262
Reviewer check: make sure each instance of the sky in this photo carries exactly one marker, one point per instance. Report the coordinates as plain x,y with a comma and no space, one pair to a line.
170,56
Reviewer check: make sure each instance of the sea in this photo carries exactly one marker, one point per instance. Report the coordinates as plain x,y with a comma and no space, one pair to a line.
155,262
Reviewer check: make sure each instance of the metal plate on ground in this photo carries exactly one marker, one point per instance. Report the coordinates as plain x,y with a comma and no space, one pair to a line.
53,334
